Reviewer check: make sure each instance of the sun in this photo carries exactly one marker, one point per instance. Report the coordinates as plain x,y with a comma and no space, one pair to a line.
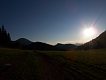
89,32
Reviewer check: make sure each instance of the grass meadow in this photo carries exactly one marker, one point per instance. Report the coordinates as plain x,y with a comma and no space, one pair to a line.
45,65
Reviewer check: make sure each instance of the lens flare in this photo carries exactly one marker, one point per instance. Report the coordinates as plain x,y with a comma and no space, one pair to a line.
89,32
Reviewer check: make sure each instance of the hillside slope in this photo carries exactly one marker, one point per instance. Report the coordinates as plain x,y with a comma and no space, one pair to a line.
97,43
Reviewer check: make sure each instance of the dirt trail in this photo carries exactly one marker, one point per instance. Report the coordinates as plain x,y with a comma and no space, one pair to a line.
47,69
50,68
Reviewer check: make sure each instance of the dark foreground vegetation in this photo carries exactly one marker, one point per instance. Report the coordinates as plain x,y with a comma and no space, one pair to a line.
52,65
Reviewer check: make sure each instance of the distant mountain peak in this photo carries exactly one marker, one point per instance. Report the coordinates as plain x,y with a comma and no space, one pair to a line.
23,41
65,46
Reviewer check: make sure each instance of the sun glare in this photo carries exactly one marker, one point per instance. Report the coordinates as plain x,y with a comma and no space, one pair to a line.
89,32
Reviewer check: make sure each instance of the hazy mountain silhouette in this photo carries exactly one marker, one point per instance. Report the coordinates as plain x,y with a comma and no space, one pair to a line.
65,46
40,46
97,43
23,41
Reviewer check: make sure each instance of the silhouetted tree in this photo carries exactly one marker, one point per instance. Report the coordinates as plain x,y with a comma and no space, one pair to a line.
0,36
8,36
2,28
4,37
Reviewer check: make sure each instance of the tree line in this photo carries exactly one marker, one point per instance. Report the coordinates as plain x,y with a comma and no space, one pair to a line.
5,38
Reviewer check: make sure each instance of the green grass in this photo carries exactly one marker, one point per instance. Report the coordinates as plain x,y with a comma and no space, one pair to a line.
90,56
21,67
97,56
29,65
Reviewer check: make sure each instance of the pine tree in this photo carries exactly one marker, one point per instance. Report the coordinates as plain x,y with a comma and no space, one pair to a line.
8,36
2,28
0,36
4,37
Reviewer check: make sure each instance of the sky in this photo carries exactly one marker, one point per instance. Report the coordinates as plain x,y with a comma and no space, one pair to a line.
52,21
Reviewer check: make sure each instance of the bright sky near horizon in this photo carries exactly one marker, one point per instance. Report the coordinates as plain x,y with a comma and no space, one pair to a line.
53,21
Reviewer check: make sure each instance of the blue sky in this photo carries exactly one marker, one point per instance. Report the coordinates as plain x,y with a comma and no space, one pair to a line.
52,21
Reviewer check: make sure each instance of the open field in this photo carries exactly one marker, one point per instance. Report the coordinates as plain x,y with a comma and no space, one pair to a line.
52,65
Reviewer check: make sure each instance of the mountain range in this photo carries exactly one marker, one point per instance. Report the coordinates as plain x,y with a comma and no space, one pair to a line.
97,43
23,43
26,44
65,46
